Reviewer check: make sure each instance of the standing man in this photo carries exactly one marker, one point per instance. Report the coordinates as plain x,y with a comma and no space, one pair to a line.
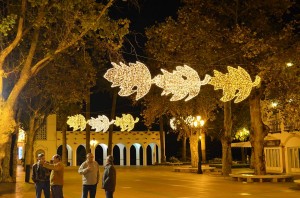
41,176
57,176
109,177
89,170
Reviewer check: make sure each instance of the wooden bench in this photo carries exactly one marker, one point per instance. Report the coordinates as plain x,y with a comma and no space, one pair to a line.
205,169
176,164
297,181
261,178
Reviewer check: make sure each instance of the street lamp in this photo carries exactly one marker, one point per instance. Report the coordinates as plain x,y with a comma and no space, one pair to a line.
93,142
199,123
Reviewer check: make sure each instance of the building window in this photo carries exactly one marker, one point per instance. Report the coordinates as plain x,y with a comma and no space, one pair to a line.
273,157
275,122
41,132
294,156
275,126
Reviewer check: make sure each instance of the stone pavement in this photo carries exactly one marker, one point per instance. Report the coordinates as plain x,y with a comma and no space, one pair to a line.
161,182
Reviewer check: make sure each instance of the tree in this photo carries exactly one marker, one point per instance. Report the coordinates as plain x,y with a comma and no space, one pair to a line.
232,33
47,29
46,94
185,40
254,41
156,106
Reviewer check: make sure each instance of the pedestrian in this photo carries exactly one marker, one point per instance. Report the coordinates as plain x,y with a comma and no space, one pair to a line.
56,176
109,177
89,170
41,177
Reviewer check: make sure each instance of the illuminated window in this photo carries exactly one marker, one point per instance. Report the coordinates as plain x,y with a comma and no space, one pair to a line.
41,133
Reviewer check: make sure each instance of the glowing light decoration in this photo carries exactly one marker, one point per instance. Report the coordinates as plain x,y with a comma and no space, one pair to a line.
101,123
181,82
126,122
173,123
188,120
133,78
242,134
77,122
184,82
236,83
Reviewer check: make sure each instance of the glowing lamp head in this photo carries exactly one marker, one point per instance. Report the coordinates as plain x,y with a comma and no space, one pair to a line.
274,104
195,124
201,122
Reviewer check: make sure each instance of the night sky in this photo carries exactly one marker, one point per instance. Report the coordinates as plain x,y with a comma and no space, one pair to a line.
146,15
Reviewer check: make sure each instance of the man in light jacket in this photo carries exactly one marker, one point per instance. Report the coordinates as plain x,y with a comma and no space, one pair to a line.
89,170
56,176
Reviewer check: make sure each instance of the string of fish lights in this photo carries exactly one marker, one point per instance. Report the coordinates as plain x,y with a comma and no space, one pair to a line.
184,82
102,123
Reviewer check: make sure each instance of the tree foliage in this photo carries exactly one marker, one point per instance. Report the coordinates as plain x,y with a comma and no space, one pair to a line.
45,31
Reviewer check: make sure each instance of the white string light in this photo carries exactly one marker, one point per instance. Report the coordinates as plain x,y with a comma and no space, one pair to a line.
183,82
133,78
101,123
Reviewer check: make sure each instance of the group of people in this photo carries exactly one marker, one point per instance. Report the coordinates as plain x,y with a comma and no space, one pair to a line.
48,176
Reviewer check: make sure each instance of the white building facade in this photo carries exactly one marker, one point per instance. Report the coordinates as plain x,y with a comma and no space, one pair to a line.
282,144
140,148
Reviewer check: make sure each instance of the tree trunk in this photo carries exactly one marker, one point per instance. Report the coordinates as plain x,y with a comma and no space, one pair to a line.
6,165
88,127
257,134
162,140
7,127
226,140
112,116
194,149
64,144
14,156
183,150
29,149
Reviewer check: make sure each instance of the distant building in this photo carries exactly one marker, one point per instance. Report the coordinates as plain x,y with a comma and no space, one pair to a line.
282,144
129,148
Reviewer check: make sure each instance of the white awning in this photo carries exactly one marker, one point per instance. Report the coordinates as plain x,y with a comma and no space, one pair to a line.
241,144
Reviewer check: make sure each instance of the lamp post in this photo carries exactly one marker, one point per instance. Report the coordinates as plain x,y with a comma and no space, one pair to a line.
93,144
199,123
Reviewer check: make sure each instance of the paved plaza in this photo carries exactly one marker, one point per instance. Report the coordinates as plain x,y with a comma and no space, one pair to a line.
161,182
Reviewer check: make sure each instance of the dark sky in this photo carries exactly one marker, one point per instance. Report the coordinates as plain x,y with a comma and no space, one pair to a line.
146,15
149,12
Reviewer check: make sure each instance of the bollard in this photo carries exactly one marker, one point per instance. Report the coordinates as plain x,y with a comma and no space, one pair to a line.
27,173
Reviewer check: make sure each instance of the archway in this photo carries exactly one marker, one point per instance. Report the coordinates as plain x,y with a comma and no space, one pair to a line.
132,155
80,155
136,154
99,155
69,154
152,154
149,155
116,154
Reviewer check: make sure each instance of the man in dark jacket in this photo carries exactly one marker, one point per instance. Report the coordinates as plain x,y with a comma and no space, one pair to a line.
41,177
109,177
